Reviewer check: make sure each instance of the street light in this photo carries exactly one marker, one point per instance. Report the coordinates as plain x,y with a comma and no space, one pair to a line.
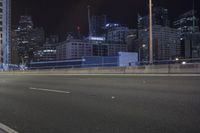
150,34
177,59
143,46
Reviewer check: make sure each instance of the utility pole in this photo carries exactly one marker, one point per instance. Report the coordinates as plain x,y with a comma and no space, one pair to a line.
150,33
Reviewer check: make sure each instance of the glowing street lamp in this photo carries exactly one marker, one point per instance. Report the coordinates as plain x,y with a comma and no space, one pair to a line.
177,59
143,45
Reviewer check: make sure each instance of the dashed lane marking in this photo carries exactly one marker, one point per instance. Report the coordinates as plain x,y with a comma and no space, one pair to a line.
49,90
6,129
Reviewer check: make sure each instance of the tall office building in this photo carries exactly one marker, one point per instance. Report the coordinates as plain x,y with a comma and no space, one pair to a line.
166,43
5,26
48,51
29,39
188,26
191,45
115,33
76,48
23,31
98,25
73,49
160,17
187,23
13,48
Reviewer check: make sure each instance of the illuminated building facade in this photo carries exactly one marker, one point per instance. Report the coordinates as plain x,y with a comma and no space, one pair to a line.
5,31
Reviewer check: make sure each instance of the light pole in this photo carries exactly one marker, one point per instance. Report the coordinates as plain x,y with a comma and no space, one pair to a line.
143,47
150,33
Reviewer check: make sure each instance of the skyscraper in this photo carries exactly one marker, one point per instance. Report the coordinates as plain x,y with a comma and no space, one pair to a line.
188,26
166,43
98,25
160,17
29,39
187,23
5,24
117,34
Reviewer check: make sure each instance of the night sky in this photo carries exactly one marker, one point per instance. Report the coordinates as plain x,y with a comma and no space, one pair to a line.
62,16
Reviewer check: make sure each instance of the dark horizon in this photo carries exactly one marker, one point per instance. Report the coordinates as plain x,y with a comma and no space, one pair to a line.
64,16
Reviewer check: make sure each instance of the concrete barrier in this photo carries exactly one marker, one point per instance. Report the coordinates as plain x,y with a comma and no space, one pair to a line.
150,69
191,69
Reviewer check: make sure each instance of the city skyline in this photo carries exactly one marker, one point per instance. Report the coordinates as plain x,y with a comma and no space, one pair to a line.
99,66
65,16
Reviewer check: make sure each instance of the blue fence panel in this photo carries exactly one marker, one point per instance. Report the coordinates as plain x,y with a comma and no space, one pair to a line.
100,62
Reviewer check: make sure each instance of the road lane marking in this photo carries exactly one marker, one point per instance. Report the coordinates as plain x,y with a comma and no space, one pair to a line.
113,97
7,129
49,90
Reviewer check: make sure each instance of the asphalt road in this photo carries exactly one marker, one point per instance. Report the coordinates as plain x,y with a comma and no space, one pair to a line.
100,104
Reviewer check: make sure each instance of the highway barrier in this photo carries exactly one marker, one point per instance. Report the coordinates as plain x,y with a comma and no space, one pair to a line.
148,69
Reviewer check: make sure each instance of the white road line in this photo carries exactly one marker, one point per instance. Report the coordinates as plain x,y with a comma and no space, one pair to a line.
49,90
6,129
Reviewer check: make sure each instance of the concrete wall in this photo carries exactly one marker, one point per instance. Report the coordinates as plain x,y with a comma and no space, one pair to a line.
153,69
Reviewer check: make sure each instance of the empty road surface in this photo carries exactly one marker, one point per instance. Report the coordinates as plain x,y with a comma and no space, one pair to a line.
99,104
